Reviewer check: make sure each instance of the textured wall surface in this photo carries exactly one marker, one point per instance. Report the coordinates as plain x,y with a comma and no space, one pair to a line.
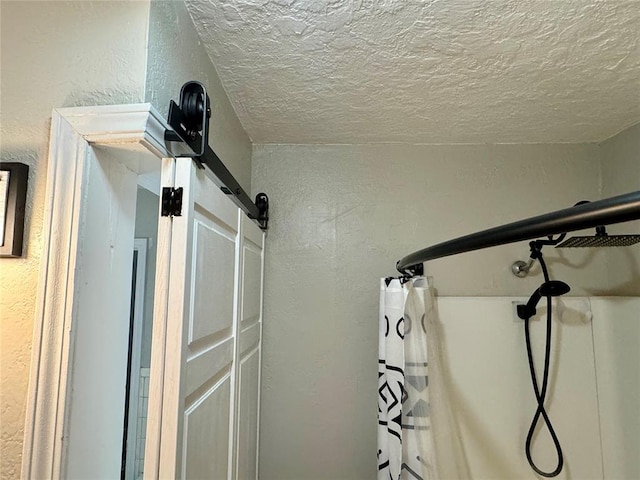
340,218
621,174
54,54
366,71
176,56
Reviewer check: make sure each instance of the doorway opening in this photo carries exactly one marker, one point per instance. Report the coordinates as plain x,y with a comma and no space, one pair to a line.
140,328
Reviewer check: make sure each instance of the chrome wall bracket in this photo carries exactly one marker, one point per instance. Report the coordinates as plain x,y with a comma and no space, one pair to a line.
521,269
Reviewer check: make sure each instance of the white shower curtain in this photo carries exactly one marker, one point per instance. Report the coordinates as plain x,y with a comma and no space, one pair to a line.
417,434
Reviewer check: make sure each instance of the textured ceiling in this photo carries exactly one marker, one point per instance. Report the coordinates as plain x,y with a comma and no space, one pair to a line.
447,71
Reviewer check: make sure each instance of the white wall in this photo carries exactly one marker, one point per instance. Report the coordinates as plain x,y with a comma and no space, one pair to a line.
618,373
341,216
54,54
621,174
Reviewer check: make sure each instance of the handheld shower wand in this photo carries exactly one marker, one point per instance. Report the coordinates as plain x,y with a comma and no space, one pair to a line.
551,288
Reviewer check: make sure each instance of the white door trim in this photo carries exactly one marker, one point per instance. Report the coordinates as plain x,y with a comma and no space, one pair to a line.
73,133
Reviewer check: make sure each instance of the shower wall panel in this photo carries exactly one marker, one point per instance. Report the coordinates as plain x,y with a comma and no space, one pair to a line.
621,174
594,388
494,403
616,336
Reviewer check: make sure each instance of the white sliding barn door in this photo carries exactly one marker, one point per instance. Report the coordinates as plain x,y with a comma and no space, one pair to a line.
212,343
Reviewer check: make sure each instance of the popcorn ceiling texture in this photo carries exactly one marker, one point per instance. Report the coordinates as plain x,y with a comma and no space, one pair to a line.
369,71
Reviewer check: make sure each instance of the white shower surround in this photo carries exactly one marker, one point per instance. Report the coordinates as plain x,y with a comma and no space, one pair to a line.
375,71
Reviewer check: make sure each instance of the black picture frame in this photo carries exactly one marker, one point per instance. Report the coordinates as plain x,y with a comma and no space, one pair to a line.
15,208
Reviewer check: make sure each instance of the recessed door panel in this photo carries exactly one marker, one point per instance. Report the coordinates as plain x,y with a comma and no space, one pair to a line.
214,279
207,366
249,339
248,416
252,264
206,434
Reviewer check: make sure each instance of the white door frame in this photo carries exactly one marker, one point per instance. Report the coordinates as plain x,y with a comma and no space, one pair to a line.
137,129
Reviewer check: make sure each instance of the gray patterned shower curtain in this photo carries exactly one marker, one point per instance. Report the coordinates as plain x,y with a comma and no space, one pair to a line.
417,434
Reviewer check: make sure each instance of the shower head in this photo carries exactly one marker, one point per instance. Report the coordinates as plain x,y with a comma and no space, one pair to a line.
600,239
552,288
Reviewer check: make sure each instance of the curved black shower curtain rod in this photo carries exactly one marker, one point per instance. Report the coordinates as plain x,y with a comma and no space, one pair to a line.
622,208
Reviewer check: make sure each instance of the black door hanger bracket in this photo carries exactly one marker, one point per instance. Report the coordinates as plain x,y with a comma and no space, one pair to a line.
189,137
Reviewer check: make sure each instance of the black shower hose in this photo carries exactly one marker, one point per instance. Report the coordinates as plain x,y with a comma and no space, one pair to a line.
542,392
